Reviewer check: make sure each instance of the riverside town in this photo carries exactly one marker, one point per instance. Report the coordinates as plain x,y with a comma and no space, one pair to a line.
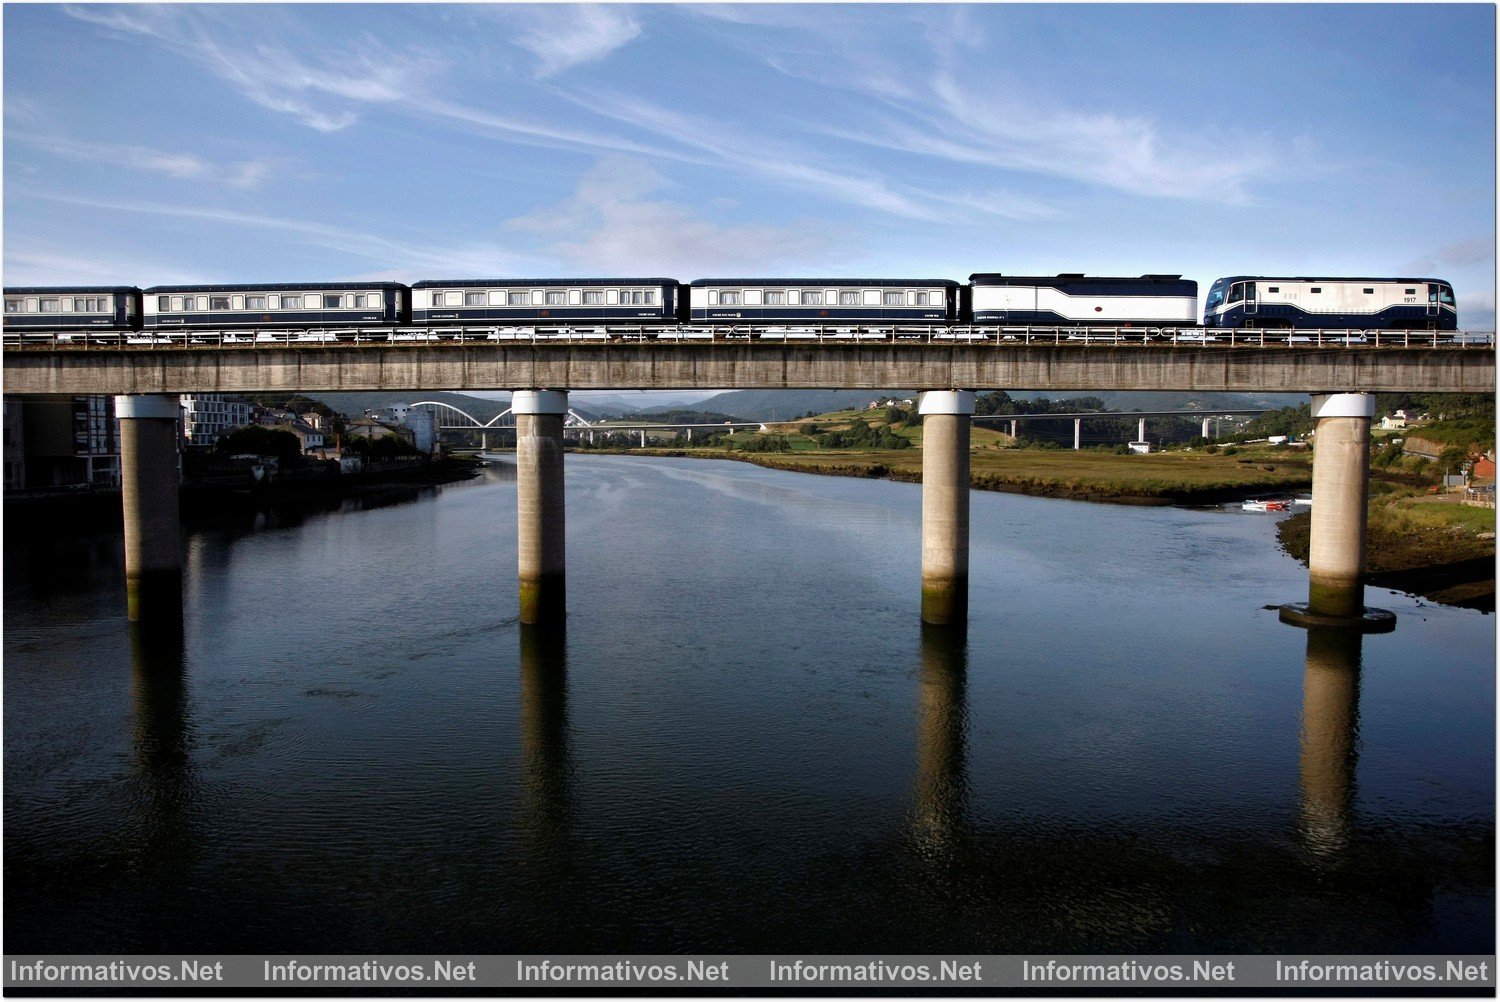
749,498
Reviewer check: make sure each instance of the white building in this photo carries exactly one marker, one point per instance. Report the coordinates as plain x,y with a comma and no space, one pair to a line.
206,416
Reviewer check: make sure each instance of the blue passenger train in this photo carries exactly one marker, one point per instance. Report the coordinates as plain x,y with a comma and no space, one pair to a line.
557,304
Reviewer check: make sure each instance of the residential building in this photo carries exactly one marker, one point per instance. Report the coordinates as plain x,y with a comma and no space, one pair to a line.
206,416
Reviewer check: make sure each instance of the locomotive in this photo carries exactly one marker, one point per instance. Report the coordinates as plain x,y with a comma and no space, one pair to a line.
561,304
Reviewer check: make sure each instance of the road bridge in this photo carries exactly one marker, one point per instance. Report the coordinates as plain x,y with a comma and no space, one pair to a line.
946,365
1079,417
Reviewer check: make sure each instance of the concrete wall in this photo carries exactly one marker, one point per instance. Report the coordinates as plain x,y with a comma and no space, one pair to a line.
747,366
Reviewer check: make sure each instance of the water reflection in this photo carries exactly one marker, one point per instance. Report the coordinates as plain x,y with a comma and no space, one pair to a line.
545,808
941,786
1330,732
162,739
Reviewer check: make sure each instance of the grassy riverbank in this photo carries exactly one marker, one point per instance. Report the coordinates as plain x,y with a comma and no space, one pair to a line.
1426,545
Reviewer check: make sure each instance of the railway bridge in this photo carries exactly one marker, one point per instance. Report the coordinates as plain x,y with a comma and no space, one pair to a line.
1341,372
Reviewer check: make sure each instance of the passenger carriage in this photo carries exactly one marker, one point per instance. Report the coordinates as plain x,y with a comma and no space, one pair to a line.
824,301
545,302
1074,299
72,308
319,304
1331,303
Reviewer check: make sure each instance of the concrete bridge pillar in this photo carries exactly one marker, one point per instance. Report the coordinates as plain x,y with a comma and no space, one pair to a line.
541,535
1077,433
643,438
946,416
1140,434
1205,429
149,483
1336,547
1013,426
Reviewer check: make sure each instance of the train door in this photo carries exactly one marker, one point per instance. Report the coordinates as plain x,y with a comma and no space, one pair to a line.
1251,306
1432,299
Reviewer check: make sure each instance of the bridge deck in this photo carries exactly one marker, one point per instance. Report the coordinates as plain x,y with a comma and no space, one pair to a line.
743,364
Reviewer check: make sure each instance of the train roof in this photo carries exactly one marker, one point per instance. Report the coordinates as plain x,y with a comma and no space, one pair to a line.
995,278
824,281
448,283
1312,278
47,290
276,287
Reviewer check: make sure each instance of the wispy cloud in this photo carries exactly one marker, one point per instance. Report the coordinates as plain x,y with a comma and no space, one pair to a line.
615,222
1477,250
400,256
562,36
29,263
323,91
183,166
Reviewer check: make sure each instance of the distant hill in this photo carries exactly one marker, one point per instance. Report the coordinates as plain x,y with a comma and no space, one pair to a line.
784,405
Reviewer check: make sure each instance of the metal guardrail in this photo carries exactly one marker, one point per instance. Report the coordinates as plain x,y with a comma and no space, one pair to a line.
777,334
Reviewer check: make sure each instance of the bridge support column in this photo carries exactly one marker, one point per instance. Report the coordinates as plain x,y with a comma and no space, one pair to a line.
946,418
643,438
541,529
1140,433
1205,429
1013,435
1336,545
1077,433
149,484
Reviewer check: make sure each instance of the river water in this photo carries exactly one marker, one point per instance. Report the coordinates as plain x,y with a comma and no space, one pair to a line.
744,742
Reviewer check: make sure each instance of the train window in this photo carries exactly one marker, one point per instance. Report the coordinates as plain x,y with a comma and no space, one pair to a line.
1273,288
163,304
1369,292
775,298
218,302
437,299
1236,292
727,298
1315,289
556,297
255,302
367,301
848,297
14,305
650,297
921,299
49,305
894,298
637,297
1445,296
518,299
1411,292
476,299
593,297
292,302
812,297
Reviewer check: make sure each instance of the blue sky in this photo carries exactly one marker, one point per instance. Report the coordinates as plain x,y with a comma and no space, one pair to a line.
146,145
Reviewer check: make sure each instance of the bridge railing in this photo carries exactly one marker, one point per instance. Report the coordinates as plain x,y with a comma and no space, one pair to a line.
740,334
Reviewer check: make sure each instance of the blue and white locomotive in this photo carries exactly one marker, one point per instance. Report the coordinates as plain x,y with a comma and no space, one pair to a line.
545,301
1331,303
825,300
53,308
320,304
1073,299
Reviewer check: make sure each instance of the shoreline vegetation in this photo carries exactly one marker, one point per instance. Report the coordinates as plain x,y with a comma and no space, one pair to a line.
1419,542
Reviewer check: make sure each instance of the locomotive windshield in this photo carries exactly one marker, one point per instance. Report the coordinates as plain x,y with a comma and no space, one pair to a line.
1215,297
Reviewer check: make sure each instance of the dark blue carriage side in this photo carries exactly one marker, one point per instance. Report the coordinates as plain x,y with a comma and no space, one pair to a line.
124,313
392,308
663,309
1432,307
946,311
1079,286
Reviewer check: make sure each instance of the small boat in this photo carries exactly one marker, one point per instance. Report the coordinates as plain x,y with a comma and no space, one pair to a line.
1305,502
1267,506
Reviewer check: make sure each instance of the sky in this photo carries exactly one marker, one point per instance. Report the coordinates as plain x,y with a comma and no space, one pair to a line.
244,143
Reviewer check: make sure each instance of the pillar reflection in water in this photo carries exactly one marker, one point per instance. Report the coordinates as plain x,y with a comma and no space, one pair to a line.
1330,733
162,746
941,785
544,811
